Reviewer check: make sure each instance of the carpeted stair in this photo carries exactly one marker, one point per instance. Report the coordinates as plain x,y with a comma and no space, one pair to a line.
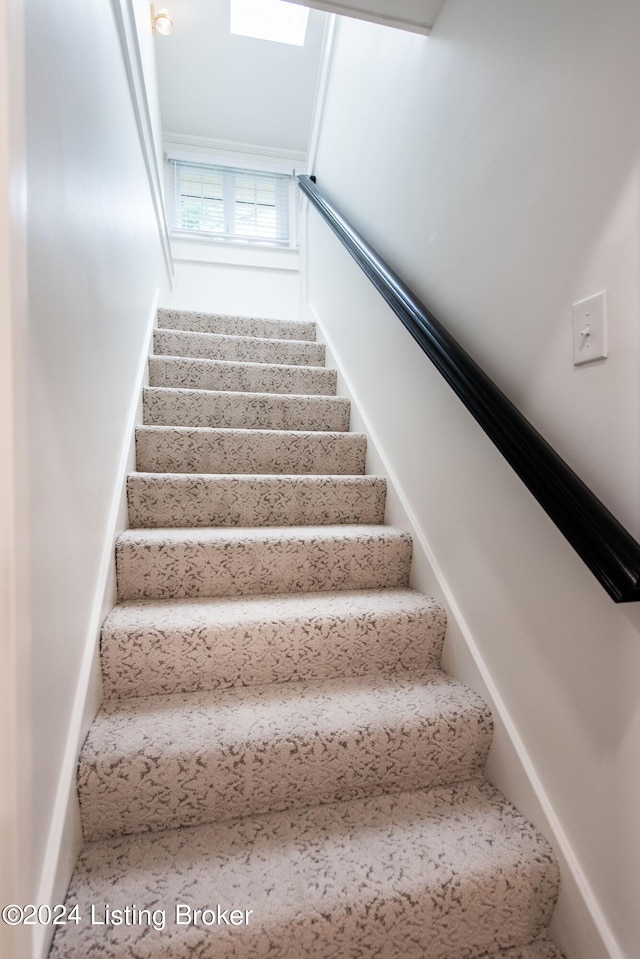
278,746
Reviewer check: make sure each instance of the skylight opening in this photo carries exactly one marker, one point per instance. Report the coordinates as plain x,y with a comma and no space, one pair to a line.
273,20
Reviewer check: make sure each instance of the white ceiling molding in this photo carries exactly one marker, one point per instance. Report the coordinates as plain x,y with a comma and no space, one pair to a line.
248,155
418,16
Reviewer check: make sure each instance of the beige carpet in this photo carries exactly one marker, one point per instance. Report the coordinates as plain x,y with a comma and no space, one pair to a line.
280,769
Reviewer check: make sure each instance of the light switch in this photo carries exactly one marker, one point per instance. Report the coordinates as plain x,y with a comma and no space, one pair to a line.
590,329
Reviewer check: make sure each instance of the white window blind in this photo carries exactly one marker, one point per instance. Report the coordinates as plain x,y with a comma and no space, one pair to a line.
231,203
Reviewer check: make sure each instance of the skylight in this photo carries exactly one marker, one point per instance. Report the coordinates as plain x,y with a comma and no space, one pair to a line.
270,20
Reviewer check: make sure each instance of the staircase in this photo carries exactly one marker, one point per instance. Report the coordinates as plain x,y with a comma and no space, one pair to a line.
280,769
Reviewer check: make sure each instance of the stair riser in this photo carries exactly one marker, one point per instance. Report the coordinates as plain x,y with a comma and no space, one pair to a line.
167,659
153,791
235,325
250,567
166,450
193,501
244,411
183,373
243,349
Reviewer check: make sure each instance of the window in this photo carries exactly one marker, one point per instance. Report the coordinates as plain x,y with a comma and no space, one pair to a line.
269,20
230,203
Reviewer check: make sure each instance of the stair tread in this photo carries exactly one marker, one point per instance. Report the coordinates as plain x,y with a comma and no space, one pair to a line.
253,499
198,321
190,722
244,409
227,346
204,449
151,647
446,873
231,610
189,758
181,371
223,561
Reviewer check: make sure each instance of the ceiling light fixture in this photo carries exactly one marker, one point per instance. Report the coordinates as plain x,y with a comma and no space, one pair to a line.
161,21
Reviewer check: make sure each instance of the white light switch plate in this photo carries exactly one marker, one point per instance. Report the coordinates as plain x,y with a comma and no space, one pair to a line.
590,329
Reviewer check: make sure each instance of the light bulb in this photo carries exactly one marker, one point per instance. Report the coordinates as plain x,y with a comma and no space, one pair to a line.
162,22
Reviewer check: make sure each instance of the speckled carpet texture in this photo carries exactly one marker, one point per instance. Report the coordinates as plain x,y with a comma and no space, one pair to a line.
280,768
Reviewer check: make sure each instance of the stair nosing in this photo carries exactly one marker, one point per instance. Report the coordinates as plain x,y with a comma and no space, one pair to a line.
237,336
324,597
330,531
253,363
253,432
310,397
428,682
163,313
360,478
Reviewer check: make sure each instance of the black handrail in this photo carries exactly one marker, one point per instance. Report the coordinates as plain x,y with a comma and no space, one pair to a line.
610,552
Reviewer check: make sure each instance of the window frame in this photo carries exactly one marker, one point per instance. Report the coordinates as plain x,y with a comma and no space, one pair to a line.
284,234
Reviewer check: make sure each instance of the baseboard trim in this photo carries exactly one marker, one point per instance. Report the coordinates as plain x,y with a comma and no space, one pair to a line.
596,940
65,833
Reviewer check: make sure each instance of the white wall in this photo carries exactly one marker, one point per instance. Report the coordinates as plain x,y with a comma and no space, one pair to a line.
502,153
219,278
16,878
95,265
215,84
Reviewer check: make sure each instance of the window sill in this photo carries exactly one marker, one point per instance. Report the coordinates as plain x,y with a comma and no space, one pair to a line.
198,249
